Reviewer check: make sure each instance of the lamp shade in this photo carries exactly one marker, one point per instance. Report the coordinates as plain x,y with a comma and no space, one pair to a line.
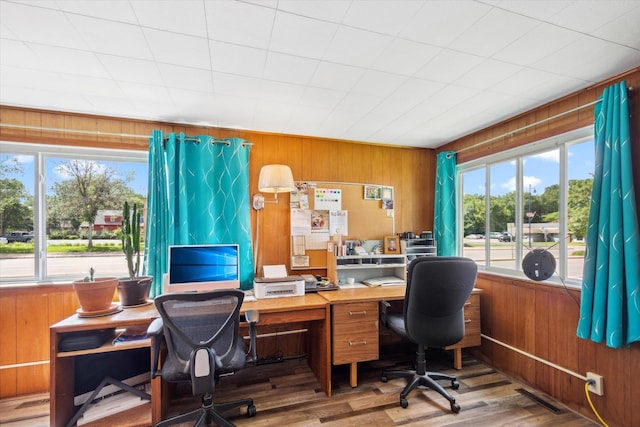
276,179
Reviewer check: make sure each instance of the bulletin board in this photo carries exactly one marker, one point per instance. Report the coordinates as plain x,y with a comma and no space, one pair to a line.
369,217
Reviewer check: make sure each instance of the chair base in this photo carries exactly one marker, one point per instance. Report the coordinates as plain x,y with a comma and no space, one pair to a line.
210,413
428,379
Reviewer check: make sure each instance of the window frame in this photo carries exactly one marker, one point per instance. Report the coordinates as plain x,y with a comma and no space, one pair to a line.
41,152
562,142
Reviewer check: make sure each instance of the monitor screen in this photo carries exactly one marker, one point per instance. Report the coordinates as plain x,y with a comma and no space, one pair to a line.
203,267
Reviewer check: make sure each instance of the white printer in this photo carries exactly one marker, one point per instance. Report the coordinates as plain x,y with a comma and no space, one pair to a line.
277,283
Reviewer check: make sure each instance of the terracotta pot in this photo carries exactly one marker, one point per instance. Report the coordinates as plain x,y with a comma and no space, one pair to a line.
96,295
134,291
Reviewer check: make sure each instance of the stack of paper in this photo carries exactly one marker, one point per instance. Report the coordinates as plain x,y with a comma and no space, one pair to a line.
383,281
110,405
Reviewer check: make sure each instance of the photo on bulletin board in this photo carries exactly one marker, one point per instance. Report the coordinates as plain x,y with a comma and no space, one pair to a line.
387,193
391,245
319,221
372,192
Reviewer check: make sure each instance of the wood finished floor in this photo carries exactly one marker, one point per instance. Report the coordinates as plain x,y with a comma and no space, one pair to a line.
288,394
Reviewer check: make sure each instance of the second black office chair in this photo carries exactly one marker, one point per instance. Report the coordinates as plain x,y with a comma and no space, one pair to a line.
201,331
433,316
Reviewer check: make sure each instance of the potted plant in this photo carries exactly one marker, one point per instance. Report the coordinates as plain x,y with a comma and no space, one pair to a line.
95,294
132,290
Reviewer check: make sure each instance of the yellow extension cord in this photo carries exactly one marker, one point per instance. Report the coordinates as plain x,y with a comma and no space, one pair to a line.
593,408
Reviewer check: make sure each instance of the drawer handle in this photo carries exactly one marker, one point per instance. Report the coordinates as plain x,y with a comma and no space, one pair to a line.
467,303
467,320
353,313
352,343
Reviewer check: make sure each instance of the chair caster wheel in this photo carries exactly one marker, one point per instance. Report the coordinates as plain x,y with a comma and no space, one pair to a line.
384,378
251,411
403,402
455,385
455,408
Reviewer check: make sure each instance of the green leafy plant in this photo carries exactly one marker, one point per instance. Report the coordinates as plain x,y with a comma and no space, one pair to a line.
130,237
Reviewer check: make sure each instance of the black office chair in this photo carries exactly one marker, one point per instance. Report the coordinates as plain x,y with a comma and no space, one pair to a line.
201,331
433,316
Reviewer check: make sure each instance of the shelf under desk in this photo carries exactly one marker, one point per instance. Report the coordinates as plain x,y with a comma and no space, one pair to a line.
311,309
62,378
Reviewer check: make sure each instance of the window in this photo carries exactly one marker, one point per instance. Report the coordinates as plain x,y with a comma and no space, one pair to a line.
535,196
71,200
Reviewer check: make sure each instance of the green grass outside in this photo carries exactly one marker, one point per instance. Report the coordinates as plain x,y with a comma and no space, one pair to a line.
27,248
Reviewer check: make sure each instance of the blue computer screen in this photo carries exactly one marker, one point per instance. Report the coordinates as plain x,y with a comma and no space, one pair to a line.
203,263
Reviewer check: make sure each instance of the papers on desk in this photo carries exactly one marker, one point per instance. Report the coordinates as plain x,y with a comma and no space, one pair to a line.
384,281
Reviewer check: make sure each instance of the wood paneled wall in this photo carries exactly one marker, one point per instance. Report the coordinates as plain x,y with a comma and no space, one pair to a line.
411,171
542,319
25,315
27,312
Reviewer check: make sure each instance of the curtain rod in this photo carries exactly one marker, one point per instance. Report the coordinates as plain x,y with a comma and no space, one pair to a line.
100,133
213,141
512,132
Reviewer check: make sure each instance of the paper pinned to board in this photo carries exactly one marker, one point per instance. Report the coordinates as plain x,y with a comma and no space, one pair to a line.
274,271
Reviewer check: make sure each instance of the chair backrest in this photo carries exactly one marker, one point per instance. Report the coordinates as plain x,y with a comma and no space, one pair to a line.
437,289
200,319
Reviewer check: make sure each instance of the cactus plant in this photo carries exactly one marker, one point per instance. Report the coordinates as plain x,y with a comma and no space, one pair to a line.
130,238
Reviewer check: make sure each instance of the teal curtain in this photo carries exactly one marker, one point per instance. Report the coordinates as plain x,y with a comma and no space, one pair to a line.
610,300
198,194
444,217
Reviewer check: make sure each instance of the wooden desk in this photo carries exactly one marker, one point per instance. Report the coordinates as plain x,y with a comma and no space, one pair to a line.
356,340
314,311
62,379
311,309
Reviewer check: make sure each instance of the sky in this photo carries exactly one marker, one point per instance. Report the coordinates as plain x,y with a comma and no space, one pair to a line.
139,184
539,171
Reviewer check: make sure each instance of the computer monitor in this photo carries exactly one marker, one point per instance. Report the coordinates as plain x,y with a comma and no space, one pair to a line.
203,267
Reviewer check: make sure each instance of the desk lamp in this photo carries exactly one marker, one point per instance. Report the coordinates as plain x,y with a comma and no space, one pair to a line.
273,179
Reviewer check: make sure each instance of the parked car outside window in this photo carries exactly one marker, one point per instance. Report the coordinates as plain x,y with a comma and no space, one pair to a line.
19,236
506,237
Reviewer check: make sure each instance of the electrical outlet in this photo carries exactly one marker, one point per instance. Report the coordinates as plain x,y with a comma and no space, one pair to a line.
595,385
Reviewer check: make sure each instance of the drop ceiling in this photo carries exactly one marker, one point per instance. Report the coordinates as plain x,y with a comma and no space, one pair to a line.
409,73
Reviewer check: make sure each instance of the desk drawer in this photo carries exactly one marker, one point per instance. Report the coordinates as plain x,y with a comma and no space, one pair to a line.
355,343
356,312
471,324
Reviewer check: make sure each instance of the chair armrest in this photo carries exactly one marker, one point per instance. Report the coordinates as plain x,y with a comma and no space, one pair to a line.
252,317
155,332
384,305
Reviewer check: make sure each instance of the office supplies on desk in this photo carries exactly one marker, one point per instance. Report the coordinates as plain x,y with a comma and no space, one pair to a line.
310,282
